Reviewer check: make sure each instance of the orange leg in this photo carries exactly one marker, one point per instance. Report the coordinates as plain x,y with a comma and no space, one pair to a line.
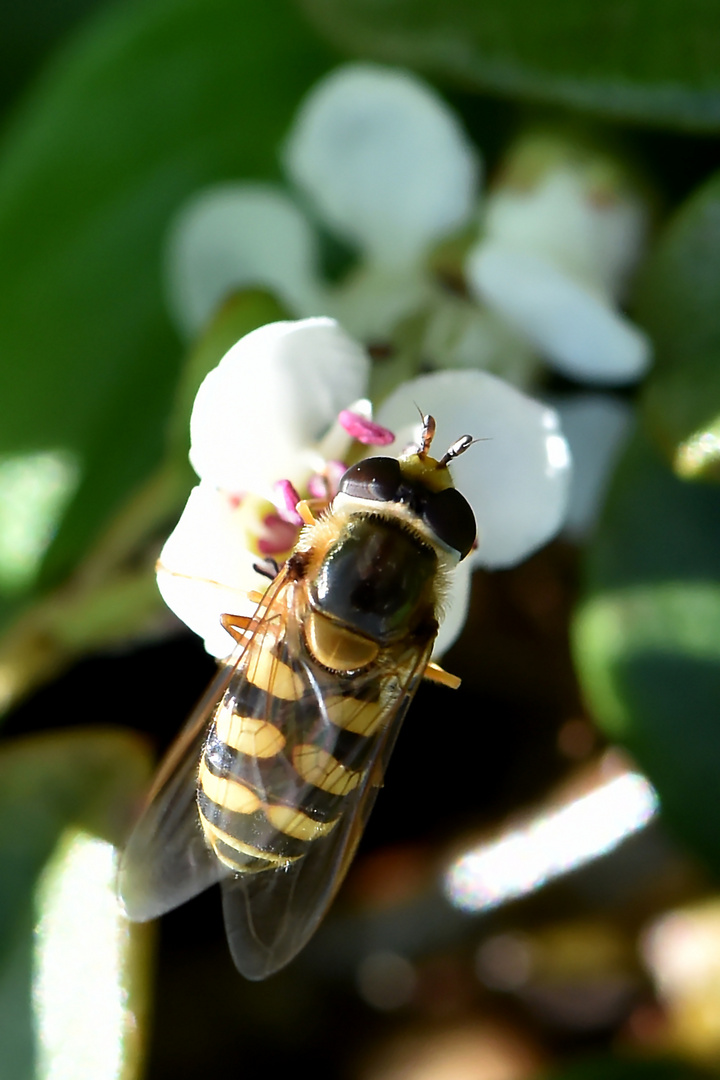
308,509
439,675
238,626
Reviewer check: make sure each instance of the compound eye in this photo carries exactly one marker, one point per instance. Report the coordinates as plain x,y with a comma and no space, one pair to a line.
450,516
376,478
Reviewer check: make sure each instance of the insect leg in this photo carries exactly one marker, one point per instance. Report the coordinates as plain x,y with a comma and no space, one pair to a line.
306,508
238,626
439,675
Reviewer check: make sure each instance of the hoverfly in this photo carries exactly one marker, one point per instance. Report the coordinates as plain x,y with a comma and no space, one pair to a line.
269,787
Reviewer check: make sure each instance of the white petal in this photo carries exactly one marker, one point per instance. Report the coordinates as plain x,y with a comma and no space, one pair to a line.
516,481
563,220
573,327
372,301
234,236
205,568
620,241
273,395
384,159
460,334
596,427
455,609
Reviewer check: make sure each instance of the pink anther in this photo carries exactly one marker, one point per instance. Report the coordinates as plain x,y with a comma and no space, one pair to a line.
334,471
317,486
324,485
286,500
279,536
365,431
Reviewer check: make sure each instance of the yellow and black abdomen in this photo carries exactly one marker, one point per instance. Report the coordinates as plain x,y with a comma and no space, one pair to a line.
268,789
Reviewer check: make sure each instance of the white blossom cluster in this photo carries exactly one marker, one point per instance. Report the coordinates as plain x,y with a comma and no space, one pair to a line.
379,160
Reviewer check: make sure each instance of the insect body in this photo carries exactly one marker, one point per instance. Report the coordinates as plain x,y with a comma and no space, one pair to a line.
270,785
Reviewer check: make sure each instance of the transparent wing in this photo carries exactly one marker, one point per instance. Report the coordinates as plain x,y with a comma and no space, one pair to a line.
167,860
345,729
270,916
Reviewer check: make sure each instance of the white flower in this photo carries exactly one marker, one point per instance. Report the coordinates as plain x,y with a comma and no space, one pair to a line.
378,159
561,235
235,236
382,162
279,388
277,419
385,162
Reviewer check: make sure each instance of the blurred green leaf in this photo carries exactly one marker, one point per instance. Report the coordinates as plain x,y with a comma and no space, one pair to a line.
29,31
155,99
678,304
647,637
16,1020
91,778
113,598
630,59
626,1068
84,779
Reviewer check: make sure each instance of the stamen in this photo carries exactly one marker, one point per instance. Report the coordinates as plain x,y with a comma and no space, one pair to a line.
381,350
334,472
323,485
268,568
286,500
280,536
317,486
364,430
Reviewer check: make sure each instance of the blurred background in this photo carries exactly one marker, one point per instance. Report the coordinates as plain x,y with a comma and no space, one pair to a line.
552,910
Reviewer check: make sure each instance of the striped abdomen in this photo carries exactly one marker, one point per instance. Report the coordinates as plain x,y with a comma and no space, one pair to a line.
279,764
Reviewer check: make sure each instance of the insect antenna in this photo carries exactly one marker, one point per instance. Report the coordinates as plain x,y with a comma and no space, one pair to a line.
458,447
427,434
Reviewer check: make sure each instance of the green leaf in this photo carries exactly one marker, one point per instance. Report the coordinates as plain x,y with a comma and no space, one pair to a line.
29,30
627,1068
647,637
64,794
114,597
91,778
155,99
629,59
679,306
